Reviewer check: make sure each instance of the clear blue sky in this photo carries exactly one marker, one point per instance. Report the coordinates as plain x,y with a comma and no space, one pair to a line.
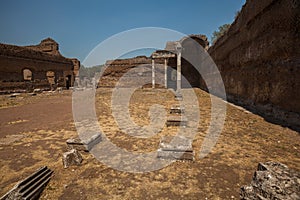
78,26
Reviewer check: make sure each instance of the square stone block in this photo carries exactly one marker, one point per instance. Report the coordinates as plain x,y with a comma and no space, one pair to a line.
177,148
84,145
178,96
175,143
176,121
177,110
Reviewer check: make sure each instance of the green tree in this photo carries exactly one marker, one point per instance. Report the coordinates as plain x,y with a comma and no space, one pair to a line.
217,34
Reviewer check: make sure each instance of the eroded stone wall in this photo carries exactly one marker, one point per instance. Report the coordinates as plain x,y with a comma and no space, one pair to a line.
133,71
47,67
259,59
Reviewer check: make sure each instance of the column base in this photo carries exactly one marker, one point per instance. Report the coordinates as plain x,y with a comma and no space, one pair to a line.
178,96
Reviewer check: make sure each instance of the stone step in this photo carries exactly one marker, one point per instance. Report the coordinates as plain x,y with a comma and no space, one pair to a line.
177,110
176,121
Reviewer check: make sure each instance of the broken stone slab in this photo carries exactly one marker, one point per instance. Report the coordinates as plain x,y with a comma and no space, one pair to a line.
72,157
177,143
177,110
60,89
272,181
32,94
176,121
31,187
174,155
176,148
13,95
78,89
84,145
37,91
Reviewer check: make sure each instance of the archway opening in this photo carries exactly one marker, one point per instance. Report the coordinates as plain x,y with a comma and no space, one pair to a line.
68,81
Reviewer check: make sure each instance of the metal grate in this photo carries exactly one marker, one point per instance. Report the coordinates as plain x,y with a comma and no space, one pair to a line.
31,187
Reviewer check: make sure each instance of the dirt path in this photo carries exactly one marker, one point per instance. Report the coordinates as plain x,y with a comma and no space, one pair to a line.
37,113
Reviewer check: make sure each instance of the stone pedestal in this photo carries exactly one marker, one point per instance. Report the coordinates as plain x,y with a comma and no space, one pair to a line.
177,110
176,148
177,121
84,145
178,96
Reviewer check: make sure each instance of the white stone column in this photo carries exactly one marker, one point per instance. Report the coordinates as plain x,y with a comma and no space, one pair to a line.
178,71
178,94
153,73
166,75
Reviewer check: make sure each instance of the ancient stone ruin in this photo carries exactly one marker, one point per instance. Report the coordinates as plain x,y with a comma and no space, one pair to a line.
177,110
258,59
273,181
84,145
25,68
159,70
72,157
176,148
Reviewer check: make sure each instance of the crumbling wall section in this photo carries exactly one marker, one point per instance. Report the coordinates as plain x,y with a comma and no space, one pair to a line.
133,71
47,45
39,60
259,59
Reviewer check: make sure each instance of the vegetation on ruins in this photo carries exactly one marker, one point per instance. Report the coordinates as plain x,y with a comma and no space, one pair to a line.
221,31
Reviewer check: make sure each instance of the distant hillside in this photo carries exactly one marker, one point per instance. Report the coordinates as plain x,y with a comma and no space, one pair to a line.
89,71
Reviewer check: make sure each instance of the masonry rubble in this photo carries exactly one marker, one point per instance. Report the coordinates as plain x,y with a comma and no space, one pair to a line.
72,157
272,180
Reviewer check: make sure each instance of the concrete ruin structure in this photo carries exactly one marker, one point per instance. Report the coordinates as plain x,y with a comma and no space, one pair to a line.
24,68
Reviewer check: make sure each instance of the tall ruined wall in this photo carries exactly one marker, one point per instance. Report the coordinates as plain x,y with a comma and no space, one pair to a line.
47,45
134,71
259,58
12,68
39,60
